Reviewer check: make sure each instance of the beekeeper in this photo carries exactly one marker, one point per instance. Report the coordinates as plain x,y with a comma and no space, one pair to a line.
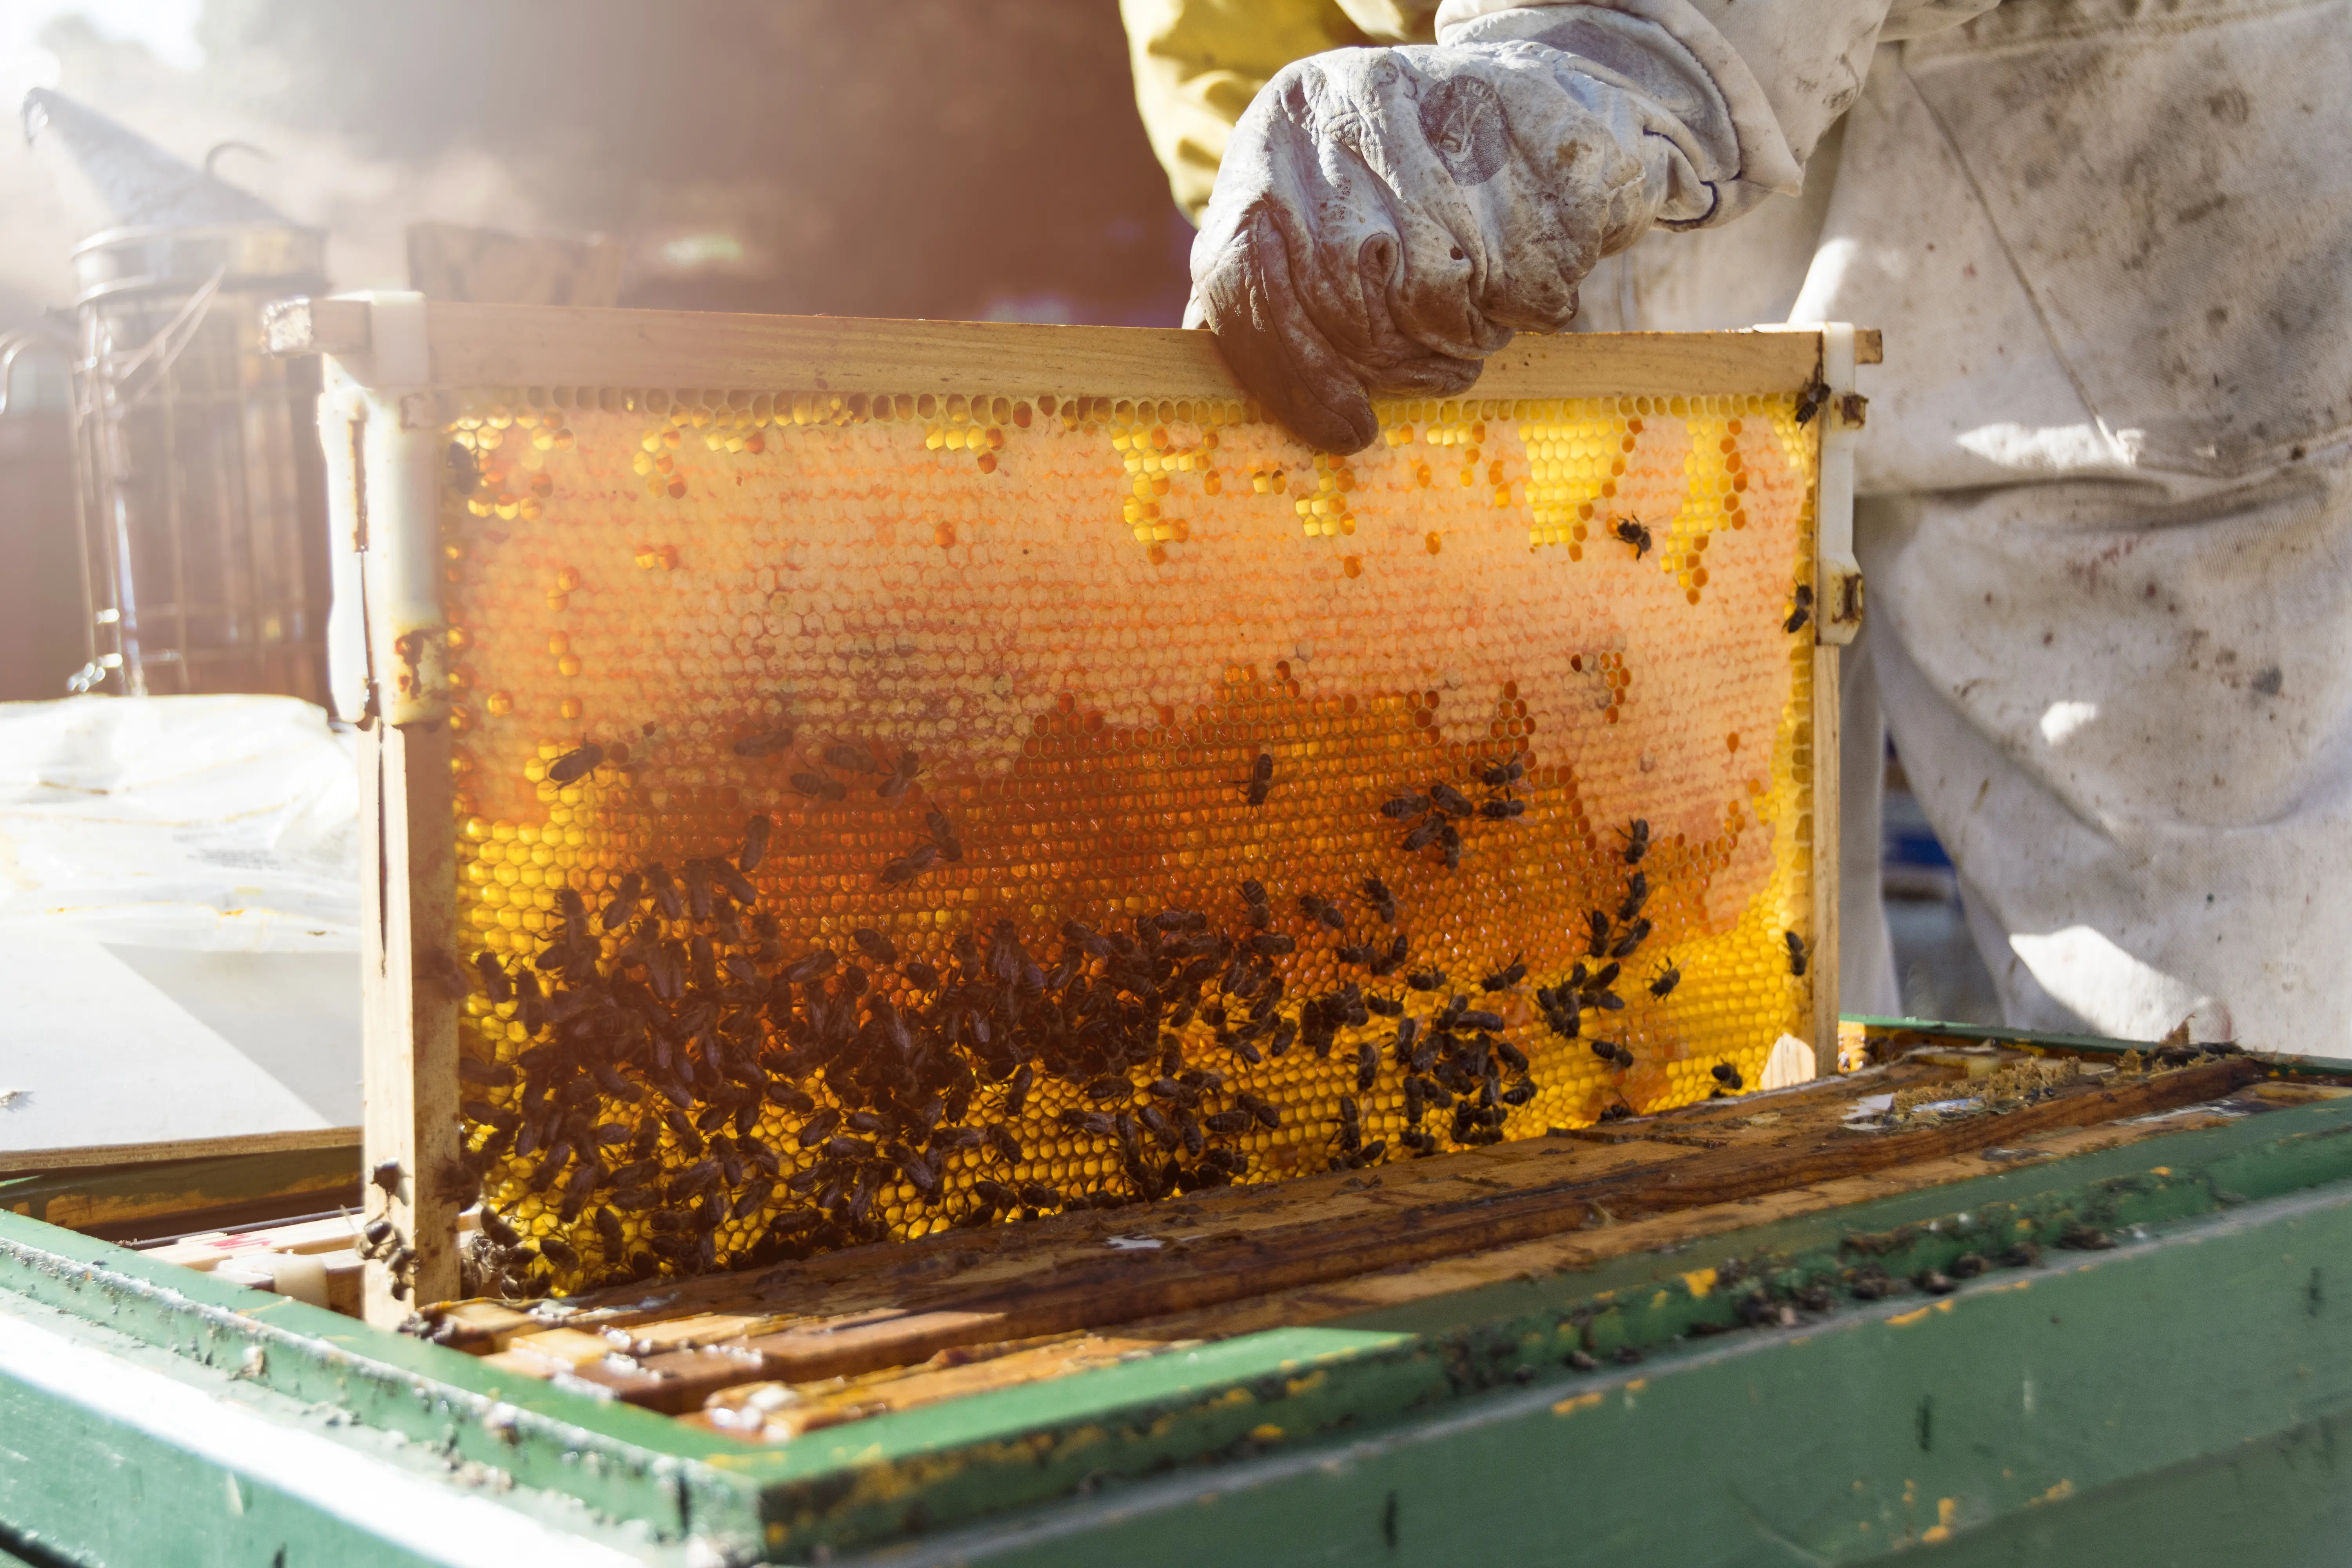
2106,524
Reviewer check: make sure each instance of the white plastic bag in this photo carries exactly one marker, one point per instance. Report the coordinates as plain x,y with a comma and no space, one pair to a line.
207,823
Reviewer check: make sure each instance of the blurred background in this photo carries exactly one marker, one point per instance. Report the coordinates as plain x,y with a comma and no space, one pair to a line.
184,162
922,159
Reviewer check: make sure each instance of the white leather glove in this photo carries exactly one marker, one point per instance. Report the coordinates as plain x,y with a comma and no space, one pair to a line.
1385,218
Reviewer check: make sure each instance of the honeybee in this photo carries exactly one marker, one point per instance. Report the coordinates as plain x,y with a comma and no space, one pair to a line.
1631,937
766,743
1497,775
1351,1134
1809,402
850,759
906,867
902,775
623,903
1261,779
1630,531
665,891
815,965
732,882
755,843
1802,612
576,764
817,786
1511,975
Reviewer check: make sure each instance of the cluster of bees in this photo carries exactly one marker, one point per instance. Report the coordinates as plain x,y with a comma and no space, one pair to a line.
671,1033
1435,812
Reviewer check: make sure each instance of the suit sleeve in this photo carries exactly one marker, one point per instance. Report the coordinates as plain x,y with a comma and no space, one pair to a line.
1198,64
1777,74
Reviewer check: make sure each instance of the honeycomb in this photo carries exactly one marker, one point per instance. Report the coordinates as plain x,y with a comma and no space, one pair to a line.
882,814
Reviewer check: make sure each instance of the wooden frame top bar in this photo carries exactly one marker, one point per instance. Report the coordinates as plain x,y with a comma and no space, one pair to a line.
567,345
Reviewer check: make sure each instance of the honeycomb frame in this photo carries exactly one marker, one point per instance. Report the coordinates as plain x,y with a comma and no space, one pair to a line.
996,632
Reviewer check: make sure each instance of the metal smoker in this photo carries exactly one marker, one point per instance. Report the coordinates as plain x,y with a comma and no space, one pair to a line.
201,495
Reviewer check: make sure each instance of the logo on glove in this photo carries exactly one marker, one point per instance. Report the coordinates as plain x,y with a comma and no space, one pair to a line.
1462,119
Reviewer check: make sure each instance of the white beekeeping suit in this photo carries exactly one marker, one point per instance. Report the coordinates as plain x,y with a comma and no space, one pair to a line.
2106,525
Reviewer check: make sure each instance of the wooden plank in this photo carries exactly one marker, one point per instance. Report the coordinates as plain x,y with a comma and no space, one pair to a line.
1681,1227
206,1252
562,345
1110,1292
939,1267
772,1412
1826,776
837,1286
346,1281
409,994
120,1155
172,1197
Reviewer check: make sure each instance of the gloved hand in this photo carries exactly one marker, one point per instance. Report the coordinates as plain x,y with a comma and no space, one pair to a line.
1385,218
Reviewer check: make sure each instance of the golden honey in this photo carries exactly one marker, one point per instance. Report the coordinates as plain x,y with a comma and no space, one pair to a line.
1089,619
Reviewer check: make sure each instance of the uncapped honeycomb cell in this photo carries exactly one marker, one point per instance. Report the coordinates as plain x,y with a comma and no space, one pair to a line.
879,814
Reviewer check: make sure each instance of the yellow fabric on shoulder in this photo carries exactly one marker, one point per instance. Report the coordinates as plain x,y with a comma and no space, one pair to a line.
1198,63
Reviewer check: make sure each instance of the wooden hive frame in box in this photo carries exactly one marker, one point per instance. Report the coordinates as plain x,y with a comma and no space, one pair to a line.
1631,450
